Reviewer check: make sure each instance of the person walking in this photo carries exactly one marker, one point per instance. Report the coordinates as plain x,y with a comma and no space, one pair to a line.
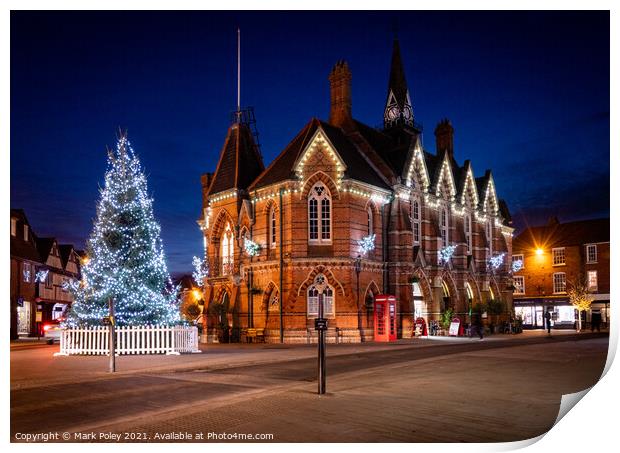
479,326
548,321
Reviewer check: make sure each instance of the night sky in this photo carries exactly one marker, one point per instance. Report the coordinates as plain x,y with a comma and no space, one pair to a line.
527,94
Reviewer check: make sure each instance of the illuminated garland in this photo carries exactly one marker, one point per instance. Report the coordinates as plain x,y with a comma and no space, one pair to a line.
41,275
201,270
367,244
251,247
496,261
126,257
517,265
446,253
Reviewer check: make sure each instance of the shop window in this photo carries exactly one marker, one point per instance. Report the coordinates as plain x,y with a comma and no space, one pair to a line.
519,284
319,215
592,254
593,280
559,282
559,256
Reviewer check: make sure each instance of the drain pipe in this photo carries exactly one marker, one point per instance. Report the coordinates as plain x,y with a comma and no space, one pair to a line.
281,266
386,240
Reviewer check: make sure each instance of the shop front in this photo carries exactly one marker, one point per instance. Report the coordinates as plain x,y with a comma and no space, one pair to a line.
531,311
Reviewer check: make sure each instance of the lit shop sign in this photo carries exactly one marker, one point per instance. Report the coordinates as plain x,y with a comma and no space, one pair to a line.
542,301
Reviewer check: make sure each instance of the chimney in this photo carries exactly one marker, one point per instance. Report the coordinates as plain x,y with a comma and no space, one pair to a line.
444,137
340,94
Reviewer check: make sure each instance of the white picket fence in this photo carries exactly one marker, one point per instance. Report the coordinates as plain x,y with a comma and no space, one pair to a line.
130,340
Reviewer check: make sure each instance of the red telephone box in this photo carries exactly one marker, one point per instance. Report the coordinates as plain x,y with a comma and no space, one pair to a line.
385,317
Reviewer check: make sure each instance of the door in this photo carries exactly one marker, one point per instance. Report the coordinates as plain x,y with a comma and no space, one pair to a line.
24,319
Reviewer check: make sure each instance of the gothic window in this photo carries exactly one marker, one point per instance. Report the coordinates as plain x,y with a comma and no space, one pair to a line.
227,250
274,300
272,226
443,226
415,220
468,232
319,215
369,215
313,298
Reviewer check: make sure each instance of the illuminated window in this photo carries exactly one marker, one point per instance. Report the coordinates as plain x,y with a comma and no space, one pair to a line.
227,250
559,282
313,299
467,228
519,258
559,256
27,272
272,226
591,253
592,280
443,226
519,284
415,220
319,215
25,232
13,226
491,293
489,234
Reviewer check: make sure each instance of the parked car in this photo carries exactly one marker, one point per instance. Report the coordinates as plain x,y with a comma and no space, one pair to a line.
52,330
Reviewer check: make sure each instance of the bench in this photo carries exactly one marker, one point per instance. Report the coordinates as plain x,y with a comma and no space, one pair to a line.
252,333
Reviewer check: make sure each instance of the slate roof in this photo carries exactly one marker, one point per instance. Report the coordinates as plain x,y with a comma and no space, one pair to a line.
240,161
19,248
357,167
563,234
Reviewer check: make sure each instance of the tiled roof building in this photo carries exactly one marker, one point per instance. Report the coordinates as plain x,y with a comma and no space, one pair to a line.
334,184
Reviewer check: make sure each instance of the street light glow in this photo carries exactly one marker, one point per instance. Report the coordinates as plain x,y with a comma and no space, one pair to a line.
539,251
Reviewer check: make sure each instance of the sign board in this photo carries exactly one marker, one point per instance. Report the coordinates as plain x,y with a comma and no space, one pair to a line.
39,316
320,324
420,327
454,327
20,301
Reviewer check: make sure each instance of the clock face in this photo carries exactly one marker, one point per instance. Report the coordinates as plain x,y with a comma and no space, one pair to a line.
393,112
407,113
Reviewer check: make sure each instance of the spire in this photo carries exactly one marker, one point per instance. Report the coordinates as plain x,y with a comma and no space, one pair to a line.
398,109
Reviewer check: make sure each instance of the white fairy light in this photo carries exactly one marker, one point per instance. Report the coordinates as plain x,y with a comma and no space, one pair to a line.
201,270
251,247
445,253
367,244
496,261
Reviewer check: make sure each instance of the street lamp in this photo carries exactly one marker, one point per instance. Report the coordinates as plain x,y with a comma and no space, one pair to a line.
320,324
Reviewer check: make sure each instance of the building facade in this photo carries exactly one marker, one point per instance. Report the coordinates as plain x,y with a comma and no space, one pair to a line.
555,256
368,211
39,267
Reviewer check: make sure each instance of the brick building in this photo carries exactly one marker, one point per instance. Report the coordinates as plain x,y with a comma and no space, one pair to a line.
554,256
339,182
39,266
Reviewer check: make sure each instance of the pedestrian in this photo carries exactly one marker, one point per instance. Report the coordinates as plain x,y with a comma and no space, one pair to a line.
548,321
479,326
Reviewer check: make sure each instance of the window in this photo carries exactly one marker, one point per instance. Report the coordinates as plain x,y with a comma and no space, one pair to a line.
274,300
489,233
370,225
559,282
49,280
443,226
519,284
26,272
516,258
591,253
559,257
319,215
592,280
227,250
313,299
467,227
63,286
415,218
25,232
272,226
13,226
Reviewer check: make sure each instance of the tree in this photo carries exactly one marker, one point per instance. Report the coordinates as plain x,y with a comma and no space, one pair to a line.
125,257
579,297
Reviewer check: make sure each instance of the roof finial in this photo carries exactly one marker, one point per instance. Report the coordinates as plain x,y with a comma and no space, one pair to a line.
238,75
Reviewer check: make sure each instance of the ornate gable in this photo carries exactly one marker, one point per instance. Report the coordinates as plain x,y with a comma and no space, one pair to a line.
417,173
445,187
490,204
319,156
469,193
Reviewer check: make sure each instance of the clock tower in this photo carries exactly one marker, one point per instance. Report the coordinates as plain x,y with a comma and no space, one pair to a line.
398,109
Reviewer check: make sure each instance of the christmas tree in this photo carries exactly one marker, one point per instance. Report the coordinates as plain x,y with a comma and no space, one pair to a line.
125,257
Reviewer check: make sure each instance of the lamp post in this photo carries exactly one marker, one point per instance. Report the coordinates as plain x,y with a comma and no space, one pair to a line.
112,336
320,324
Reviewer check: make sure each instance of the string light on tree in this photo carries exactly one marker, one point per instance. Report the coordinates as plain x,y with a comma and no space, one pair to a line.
126,255
201,270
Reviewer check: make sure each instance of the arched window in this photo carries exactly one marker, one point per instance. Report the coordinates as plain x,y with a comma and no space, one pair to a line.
227,250
443,226
272,227
319,215
491,293
313,299
274,300
468,232
415,220
470,297
370,225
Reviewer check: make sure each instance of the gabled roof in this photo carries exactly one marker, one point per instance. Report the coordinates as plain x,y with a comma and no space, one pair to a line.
240,161
392,148
65,253
505,212
20,248
563,234
44,246
357,167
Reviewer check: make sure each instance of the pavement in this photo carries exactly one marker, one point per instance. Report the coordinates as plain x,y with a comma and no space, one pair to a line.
506,387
